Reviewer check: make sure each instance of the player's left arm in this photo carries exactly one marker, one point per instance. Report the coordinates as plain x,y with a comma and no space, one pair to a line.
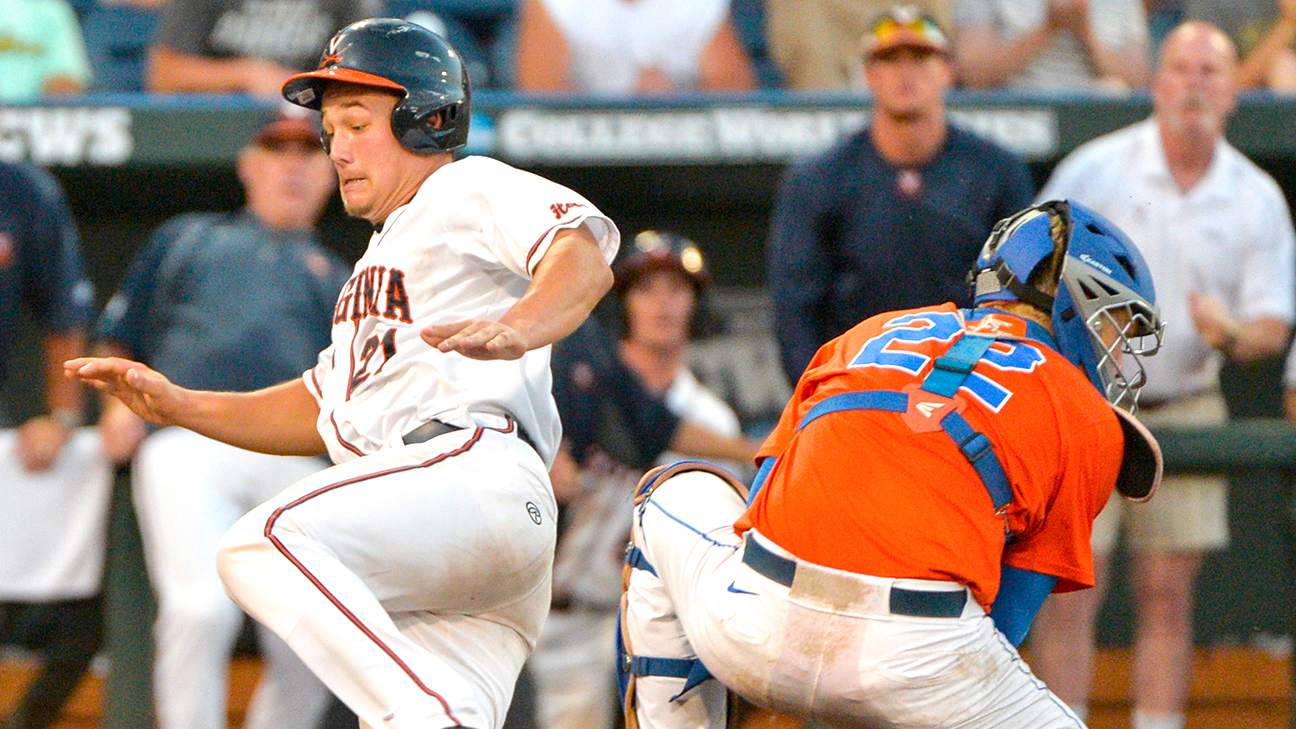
1021,594
568,282
279,420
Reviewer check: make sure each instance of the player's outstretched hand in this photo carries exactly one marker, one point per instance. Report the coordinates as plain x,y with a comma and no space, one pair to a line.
145,391
476,339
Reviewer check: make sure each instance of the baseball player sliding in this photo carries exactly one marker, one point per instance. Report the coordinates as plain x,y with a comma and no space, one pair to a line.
934,477
412,576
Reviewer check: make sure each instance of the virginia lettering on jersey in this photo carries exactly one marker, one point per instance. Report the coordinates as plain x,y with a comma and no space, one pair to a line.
361,295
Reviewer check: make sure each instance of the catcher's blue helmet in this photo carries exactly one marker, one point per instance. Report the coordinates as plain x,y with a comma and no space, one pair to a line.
1102,288
406,58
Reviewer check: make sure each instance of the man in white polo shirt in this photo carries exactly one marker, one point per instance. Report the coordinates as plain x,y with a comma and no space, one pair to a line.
1216,233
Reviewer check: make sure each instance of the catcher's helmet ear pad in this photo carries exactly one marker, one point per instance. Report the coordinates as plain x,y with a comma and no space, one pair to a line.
1141,466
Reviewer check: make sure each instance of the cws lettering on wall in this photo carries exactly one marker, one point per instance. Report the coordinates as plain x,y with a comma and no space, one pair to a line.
67,136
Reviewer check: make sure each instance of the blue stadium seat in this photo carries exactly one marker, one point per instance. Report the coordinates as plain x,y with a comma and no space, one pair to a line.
117,39
749,21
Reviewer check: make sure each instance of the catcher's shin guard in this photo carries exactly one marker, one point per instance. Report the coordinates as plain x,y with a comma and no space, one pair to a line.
663,684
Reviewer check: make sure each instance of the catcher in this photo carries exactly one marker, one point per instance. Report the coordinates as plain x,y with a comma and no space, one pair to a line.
934,477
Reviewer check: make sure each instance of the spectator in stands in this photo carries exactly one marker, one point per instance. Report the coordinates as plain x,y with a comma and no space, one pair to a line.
41,271
1217,235
661,289
242,46
117,38
816,42
1263,31
42,52
629,47
226,301
1052,44
893,216
621,411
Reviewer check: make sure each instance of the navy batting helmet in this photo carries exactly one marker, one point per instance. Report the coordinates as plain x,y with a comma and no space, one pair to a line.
404,57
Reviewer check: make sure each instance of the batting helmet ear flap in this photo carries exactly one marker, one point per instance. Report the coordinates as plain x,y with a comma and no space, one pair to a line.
424,122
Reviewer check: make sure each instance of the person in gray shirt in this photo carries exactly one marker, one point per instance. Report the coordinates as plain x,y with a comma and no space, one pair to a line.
1054,45
242,46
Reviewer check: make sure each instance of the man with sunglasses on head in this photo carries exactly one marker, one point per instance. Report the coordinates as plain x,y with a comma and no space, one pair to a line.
893,216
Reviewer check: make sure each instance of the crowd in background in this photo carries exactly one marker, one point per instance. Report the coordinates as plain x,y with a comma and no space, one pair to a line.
53,47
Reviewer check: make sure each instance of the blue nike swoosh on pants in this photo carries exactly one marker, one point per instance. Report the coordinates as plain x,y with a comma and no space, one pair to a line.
739,590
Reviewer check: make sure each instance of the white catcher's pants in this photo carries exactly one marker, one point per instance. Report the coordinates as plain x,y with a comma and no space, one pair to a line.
188,491
795,652
413,582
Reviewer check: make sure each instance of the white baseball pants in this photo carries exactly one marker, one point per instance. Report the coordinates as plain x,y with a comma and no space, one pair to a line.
188,491
413,582
827,649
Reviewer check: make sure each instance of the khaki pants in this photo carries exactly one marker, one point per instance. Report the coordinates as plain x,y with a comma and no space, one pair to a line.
1189,512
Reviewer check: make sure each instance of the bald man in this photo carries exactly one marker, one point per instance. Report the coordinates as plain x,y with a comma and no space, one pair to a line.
1216,232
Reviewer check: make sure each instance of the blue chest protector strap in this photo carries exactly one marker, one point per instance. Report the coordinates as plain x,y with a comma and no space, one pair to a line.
952,368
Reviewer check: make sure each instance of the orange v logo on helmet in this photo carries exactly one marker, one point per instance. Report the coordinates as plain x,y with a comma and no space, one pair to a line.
332,56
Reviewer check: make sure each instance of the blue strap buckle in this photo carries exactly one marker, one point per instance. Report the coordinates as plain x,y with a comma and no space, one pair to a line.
976,447
636,559
689,669
952,368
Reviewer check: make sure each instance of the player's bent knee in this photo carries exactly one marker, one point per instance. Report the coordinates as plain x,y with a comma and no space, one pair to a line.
244,543
694,473
696,496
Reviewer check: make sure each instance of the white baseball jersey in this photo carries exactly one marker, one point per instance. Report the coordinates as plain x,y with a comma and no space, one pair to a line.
465,247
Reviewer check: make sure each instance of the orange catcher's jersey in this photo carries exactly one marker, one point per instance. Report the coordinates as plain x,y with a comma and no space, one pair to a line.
890,494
